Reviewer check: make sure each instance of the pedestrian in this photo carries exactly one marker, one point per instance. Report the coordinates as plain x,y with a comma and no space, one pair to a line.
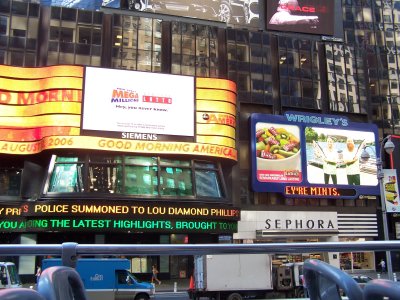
382,263
38,273
303,282
154,277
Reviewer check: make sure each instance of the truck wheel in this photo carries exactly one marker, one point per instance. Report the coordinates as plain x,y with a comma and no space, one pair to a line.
142,297
235,296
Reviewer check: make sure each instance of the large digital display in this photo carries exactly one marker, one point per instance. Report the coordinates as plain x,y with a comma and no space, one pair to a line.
41,108
304,16
311,155
243,12
138,105
118,216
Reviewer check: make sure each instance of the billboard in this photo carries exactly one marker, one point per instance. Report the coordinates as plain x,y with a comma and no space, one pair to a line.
391,190
312,155
124,104
232,12
303,16
128,111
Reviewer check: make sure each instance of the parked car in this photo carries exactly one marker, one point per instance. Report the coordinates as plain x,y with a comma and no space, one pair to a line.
361,279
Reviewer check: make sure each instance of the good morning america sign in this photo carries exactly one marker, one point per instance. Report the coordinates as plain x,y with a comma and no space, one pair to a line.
313,155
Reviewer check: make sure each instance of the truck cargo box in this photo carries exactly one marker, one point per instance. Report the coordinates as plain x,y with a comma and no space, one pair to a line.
228,272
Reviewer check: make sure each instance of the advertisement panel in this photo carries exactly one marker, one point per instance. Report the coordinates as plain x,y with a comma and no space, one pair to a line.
129,104
304,16
312,155
41,109
391,190
232,12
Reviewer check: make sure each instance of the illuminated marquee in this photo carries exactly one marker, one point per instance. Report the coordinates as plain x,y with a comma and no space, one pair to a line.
40,109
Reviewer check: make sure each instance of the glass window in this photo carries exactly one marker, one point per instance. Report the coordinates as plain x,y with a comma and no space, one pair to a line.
66,176
141,180
176,182
3,25
74,42
207,184
194,50
10,182
136,176
139,40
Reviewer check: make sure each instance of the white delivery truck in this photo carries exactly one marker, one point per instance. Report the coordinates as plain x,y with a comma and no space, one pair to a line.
108,279
239,276
9,277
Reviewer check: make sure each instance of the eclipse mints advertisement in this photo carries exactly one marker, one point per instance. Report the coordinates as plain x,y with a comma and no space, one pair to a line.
304,16
138,105
312,155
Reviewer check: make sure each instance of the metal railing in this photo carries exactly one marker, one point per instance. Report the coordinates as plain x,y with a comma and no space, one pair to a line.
70,251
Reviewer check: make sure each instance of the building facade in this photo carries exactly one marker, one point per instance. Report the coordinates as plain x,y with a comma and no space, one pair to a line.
62,181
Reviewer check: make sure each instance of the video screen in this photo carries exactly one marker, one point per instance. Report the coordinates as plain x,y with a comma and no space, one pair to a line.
303,16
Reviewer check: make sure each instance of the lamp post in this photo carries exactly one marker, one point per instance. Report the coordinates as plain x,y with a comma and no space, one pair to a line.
388,145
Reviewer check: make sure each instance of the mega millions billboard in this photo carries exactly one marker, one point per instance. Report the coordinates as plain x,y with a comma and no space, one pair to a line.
73,107
312,155
138,105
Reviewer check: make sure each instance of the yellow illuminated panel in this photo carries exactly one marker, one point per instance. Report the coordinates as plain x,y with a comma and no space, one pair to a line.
216,118
219,95
41,109
35,134
34,85
44,72
218,84
215,129
56,95
39,121
215,106
216,140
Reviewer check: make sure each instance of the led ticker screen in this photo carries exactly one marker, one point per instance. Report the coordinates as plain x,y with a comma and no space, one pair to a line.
304,16
311,155
41,109
113,225
135,217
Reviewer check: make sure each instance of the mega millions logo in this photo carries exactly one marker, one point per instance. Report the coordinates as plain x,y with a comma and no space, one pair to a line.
124,95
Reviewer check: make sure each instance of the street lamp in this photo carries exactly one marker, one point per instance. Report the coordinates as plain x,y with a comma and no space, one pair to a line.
388,145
